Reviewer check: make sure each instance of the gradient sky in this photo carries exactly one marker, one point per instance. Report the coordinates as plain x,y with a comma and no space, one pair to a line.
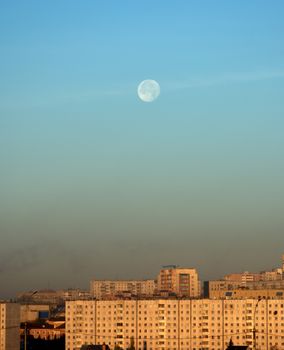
97,184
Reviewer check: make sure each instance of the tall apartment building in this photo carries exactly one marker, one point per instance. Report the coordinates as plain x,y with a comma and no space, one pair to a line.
183,282
101,289
9,326
179,324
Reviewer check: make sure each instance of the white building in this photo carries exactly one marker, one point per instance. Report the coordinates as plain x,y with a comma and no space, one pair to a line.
101,289
9,326
180,324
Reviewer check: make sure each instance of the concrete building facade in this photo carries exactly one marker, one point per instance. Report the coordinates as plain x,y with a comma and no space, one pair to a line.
9,326
247,277
247,294
101,289
177,324
221,288
33,312
183,282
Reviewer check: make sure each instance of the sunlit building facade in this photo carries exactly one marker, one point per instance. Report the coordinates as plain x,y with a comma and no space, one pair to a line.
183,282
9,326
101,289
179,324
247,294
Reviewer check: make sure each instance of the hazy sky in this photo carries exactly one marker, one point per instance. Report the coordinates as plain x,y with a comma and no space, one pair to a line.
96,183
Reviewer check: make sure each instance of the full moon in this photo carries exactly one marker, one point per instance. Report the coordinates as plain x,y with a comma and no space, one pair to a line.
148,90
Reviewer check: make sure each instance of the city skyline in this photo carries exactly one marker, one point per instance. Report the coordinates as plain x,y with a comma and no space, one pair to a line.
97,183
104,288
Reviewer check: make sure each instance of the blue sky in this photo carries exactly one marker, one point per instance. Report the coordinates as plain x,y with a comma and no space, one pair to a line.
92,177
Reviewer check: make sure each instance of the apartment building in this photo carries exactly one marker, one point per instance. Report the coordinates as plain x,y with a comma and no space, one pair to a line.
221,288
183,282
180,324
101,289
247,294
243,277
9,326
246,277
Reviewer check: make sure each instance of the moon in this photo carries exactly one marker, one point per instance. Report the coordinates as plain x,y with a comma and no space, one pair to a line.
148,90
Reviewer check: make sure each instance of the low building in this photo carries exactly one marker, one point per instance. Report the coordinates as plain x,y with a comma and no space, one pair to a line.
231,346
34,312
52,297
44,330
